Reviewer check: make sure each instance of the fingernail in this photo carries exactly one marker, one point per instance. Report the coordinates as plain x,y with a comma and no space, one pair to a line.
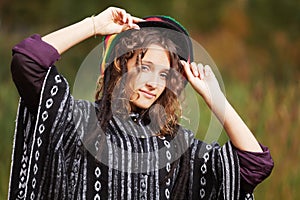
136,27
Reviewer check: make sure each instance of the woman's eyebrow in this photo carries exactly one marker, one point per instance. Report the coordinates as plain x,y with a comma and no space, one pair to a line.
147,62
167,68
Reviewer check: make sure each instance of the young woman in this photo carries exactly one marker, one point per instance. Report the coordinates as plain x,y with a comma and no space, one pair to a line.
129,143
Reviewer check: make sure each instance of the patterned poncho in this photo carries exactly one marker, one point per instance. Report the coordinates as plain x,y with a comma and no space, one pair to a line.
61,153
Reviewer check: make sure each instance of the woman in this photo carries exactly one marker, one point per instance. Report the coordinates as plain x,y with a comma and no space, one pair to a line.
129,143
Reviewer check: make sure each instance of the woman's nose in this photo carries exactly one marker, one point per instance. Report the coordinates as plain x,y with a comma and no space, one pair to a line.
153,80
152,84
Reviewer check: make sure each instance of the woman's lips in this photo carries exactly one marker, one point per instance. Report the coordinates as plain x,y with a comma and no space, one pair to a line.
147,94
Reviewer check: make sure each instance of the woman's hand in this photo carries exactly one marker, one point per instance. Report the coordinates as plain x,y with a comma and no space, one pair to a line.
110,21
114,20
203,80
205,83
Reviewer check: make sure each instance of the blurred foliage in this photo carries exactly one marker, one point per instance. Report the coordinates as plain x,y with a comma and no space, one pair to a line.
255,44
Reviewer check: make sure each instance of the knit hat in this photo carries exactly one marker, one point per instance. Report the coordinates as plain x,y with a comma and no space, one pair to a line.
178,34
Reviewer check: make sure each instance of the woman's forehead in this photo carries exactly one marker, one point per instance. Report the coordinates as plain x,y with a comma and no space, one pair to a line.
157,55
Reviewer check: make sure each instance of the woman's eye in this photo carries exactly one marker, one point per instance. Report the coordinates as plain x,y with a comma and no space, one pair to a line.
145,68
164,75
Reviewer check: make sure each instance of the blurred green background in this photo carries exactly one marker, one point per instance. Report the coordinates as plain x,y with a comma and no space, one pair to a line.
255,44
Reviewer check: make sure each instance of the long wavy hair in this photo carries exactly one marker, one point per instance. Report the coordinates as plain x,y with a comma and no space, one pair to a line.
113,93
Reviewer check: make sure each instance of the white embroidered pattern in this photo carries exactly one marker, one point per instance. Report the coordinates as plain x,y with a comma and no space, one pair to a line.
203,170
168,164
49,102
97,185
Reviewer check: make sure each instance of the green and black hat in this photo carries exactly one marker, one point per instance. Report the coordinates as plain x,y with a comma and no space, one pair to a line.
178,34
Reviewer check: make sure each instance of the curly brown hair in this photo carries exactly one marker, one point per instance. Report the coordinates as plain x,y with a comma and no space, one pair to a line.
112,93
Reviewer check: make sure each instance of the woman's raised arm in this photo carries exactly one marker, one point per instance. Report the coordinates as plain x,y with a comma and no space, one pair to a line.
110,21
205,83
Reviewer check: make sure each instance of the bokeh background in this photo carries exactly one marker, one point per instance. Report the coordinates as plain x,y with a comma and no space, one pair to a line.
255,44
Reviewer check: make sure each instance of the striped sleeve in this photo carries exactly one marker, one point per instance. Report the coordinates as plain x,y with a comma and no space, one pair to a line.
214,171
230,179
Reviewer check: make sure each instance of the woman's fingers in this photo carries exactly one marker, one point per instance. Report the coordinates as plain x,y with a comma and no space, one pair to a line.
202,79
186,68
118,14
194,68
126,19
131,21
197,70
208,71
136,19
201,70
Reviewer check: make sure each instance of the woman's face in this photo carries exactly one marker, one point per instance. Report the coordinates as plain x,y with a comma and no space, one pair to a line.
152,75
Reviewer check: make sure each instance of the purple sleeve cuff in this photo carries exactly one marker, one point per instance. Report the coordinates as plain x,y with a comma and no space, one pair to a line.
254,167
38,50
